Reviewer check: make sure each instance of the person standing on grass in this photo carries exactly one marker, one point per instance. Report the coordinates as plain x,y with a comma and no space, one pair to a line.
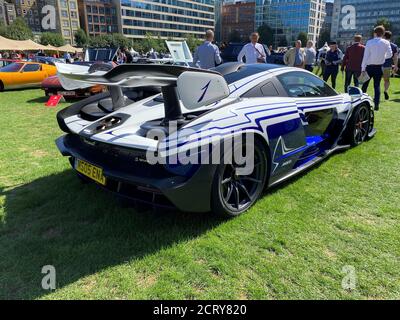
254,52
332,60
321,55
128,58
207,54
377,50
310,56
387,66
352,62
295,57
67,57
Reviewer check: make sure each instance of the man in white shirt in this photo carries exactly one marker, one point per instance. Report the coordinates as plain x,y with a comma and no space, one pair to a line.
377,50
254,52
207,55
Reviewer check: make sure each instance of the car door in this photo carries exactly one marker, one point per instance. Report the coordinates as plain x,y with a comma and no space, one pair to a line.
284,129
10,75
316,101
32,74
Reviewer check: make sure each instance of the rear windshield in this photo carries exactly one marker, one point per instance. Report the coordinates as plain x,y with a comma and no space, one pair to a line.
247,71
13,67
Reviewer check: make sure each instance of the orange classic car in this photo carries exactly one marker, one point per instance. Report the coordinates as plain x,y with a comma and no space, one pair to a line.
24,74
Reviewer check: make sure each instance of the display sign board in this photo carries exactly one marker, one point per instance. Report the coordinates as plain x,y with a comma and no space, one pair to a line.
53,100
100,54
179,51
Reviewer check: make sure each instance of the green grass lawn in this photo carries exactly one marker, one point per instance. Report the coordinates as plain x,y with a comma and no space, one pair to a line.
294,243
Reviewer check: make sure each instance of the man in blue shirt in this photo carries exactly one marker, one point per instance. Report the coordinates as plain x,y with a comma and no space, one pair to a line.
387,66
67,57
207,55
310,56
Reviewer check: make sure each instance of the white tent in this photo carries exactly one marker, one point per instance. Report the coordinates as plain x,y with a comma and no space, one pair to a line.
6,44
50,47
69,48
29,45
20,45
26,45
325,47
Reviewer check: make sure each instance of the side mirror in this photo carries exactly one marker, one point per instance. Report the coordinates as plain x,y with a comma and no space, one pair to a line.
354,92
197,89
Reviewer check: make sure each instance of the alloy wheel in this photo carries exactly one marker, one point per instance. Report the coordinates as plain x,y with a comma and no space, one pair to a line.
239,192
362,122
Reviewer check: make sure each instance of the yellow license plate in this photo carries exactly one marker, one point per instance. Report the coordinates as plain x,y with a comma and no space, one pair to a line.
90,171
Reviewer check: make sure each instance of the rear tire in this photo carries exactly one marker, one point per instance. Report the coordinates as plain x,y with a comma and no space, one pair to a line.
1,86
359,125
233,194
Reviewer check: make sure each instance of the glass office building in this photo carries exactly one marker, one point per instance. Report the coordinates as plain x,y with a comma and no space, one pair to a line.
288,18
218,22
327,26
367,12
174,19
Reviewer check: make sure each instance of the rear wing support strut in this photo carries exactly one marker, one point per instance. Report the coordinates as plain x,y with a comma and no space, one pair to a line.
117,97
172,107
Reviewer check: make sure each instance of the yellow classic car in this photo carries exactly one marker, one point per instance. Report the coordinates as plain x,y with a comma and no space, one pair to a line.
22,74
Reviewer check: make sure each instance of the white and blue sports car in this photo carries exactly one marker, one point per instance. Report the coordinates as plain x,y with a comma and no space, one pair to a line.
296,120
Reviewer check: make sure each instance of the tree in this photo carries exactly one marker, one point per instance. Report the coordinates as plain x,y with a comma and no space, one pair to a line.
325,36
234,36
18,30
54,39
151,42
384,22
266,34
119,40
101,41
303,38
138,46
81,38
162,46
193,42
3,29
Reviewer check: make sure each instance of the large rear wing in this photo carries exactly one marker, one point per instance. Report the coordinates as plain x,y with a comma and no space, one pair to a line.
194,87
124,75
